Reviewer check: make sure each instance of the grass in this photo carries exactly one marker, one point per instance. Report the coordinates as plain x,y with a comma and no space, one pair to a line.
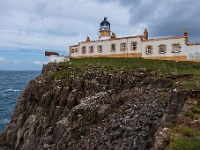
192,111
189,114
134,63
162,68
182,138
185,131
191,82
196,109
186,143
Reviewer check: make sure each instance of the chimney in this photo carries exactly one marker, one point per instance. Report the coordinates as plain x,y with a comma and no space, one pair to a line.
145,36
186,36
113,36
88,39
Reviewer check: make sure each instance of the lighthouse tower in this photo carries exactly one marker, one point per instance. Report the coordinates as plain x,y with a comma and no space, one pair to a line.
104,30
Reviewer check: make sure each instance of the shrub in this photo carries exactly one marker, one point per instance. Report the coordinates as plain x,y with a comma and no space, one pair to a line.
195,109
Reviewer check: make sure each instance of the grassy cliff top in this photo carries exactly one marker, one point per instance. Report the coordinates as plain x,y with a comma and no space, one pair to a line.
186,73
130,64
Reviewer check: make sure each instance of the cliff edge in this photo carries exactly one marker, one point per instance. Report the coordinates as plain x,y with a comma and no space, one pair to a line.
95,107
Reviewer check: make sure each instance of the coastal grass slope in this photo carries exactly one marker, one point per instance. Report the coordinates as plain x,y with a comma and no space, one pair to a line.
186,73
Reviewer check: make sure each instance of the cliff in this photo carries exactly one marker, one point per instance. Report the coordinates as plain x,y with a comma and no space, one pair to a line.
95,107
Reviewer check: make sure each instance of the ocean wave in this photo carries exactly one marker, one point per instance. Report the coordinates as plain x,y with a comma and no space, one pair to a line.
8,90
11,90
5,95
4,121
16,90
11,85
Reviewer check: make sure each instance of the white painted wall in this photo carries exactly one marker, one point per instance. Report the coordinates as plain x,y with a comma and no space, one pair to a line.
104,37
191,51
57,59
168,42
106,47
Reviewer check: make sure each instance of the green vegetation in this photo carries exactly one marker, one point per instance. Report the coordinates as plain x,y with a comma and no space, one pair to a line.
192,111
129,64
189,114
185,131
196,109
182,138
187,73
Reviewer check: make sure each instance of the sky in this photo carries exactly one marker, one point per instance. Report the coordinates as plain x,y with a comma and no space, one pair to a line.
29,28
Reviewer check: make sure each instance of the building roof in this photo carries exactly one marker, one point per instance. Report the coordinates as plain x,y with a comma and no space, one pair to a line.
105,22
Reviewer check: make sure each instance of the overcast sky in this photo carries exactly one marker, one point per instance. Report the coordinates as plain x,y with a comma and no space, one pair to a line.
29,27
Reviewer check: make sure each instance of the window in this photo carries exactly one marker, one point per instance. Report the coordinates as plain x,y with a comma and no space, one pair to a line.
83,49
113,47
176,48
149,49
72,50
91,49
76,50
100,48
105,27
123,46
134,46
162,49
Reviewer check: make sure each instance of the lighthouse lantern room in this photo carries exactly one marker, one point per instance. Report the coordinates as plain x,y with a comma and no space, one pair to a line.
104,30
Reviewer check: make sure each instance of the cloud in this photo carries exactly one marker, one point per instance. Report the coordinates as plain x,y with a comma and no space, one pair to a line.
2,59
52,25
39,62
22,53
163,18
17,61
167,16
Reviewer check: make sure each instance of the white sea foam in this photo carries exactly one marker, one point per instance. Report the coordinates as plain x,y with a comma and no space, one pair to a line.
16,90
11,90
8,90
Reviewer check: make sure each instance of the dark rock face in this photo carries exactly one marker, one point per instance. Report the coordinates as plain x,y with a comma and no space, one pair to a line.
98,110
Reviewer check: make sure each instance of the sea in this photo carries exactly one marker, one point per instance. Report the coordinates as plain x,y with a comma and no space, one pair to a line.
12,83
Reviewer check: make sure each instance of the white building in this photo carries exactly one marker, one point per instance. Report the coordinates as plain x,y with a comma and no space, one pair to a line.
58,59
170,48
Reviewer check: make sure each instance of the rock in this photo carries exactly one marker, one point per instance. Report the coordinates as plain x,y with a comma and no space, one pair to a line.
197,137
103,111
128,128
72,99
100,108
175,74
161,138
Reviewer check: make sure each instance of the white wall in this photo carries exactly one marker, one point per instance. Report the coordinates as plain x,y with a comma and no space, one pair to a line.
57,59
106,47
193,52
168,42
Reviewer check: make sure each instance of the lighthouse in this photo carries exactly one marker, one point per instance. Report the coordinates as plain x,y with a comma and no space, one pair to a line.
104,30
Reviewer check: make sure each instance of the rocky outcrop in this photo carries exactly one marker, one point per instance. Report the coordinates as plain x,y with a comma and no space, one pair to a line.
99,109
